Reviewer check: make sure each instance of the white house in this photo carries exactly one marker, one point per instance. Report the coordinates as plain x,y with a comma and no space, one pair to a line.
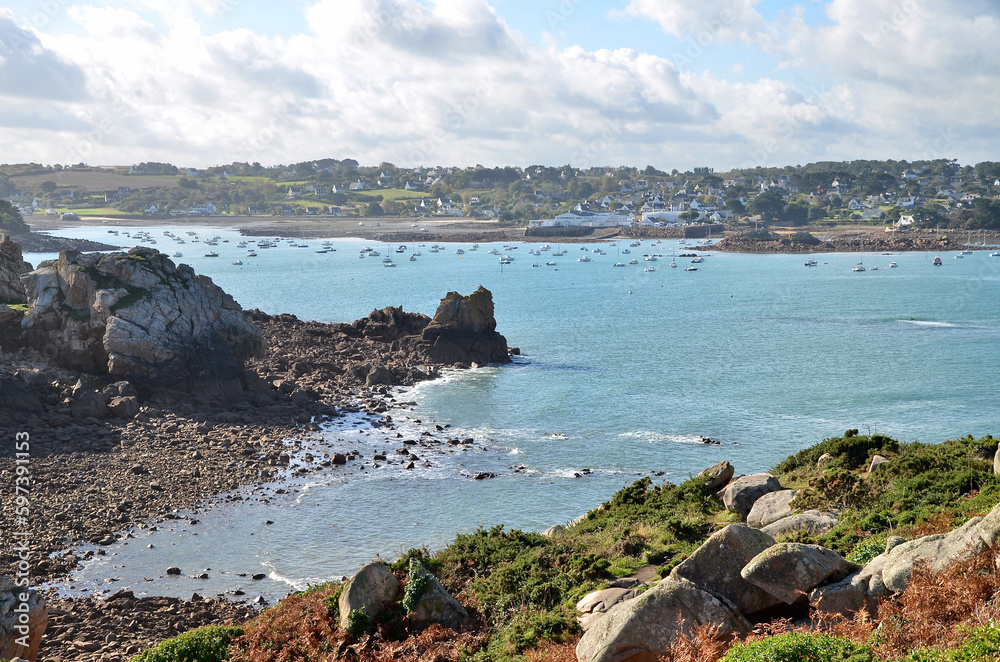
904,221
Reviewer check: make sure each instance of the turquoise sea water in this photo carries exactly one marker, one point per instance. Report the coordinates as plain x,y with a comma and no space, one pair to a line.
622,372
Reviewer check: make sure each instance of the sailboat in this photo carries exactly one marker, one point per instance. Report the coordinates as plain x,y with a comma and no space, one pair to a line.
859,267
673,260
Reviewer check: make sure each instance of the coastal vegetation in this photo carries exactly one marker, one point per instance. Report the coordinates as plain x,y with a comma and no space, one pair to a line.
936,193
521,588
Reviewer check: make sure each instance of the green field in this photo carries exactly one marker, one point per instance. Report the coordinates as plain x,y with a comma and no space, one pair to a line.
92,211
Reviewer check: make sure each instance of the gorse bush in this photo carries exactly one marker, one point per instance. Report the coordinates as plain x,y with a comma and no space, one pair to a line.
800,647
207,644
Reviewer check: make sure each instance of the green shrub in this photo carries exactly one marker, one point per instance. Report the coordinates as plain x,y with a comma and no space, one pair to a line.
867,549
797,647
420,581
849,452
982,644
207,644
358,623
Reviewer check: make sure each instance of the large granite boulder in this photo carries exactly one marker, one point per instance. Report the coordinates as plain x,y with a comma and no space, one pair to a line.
717,476
433,604
23,619
938,551
789,571
770,508
596,604
371,590
860,590
813,522
12,266
642,629
463,331
715,567
137,316
989,526
742,493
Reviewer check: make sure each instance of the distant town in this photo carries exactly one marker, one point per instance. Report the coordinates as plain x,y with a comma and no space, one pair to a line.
939,193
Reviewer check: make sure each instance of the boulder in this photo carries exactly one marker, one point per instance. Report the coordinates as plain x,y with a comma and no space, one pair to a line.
742,493
552,530
823,460
137,316
379,375
996,461
17,396
602,601
643,628
717,476
90,404
8,316
811,521
862,589
23,619
938,551
770,508
434,604
371,590
715,567
126,407
989,527
789,571
877,461
12,266
463,331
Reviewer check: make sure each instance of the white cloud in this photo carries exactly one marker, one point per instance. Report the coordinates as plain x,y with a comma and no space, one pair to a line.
451,82
712,20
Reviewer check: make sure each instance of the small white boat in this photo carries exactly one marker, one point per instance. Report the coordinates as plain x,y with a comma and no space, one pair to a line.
697,260
650,269
238,263
995,254
413,258
937,261
242,244
494,251
635,244
251,253
627,252
178,254
959,257
390,263
584,259
401,249
211,254
504,261
858,268
893,265
619,264
633,261
690,268
459,252
812,263
649,258
550,264
673,264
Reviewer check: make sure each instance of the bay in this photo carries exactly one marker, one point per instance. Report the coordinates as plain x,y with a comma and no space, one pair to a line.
623,371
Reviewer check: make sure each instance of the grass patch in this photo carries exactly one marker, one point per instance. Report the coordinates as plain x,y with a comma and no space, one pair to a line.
207,644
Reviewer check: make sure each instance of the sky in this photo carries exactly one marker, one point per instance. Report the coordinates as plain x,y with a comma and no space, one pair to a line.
668,83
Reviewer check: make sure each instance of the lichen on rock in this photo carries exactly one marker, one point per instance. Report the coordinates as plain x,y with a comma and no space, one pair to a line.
137,316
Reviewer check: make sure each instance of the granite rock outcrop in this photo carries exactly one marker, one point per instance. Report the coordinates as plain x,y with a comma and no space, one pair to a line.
136,316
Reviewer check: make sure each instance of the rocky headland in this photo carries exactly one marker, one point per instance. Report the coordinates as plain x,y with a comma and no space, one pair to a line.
145,389
764,241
